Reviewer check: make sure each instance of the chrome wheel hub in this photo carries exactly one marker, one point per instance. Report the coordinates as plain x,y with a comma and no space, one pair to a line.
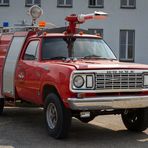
51,116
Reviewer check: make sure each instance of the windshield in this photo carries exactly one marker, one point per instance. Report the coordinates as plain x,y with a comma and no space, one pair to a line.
62,48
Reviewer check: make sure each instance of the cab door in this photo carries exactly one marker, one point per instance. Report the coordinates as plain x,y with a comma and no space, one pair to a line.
28,73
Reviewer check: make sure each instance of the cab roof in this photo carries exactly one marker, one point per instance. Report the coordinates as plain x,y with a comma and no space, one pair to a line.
61,32
45,32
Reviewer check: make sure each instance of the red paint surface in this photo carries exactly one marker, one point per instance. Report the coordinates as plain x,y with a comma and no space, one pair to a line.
32,76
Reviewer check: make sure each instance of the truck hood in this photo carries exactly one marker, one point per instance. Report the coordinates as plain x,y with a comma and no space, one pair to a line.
103,64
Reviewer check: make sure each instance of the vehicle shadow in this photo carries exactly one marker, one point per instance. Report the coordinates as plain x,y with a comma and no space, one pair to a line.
24,127
99,136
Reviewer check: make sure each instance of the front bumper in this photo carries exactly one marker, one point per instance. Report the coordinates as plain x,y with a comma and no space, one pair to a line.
112,102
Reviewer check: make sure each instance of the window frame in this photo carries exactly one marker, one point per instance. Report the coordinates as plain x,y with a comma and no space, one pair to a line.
4,4
37,51
127,6
29,5
64,5
126,59
96,6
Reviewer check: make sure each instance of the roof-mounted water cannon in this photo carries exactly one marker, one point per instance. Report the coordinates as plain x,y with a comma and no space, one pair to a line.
35,12
80,19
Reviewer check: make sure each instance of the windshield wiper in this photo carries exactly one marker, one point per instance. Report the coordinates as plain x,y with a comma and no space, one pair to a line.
93,56
58,58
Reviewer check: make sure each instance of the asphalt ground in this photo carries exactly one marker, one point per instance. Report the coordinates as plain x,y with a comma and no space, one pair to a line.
25,128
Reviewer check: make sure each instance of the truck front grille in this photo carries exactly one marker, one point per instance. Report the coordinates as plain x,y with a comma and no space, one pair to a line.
119,81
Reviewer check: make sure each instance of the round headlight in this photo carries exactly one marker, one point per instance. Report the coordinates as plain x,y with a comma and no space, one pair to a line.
35,11
78,81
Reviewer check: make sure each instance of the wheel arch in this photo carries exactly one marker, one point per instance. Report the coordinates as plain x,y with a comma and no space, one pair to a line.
47,88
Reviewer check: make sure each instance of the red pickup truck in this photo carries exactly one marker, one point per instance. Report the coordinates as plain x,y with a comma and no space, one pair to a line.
71,73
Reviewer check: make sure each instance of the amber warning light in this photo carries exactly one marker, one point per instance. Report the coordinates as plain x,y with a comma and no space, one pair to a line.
79,19
42,24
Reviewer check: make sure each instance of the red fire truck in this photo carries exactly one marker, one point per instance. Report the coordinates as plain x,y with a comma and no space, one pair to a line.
71,73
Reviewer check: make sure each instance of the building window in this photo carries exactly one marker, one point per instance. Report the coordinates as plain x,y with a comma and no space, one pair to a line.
29,3
96,3
64,3
96,31
127,45
4,2
130,4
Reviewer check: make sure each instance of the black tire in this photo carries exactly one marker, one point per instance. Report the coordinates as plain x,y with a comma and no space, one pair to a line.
86,120
135,120
1,105
57,117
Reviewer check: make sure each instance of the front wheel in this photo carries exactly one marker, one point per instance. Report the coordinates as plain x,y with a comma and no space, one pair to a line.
1,105
57,117
135,120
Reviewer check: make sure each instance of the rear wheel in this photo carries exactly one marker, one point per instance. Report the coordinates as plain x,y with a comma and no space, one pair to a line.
1,105
57,117
135,120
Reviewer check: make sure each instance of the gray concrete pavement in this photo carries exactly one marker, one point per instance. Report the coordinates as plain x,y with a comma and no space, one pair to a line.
24,128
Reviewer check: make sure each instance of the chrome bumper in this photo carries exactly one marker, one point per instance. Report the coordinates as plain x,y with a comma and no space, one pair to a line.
113,102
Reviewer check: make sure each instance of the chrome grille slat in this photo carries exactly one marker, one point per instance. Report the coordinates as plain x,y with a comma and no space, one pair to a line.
119,81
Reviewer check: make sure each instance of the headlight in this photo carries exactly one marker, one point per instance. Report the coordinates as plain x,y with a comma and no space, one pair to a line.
145,80
35,11
78,81
89,81
82,81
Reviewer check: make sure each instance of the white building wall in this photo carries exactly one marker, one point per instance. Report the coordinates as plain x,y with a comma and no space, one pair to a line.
135,19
